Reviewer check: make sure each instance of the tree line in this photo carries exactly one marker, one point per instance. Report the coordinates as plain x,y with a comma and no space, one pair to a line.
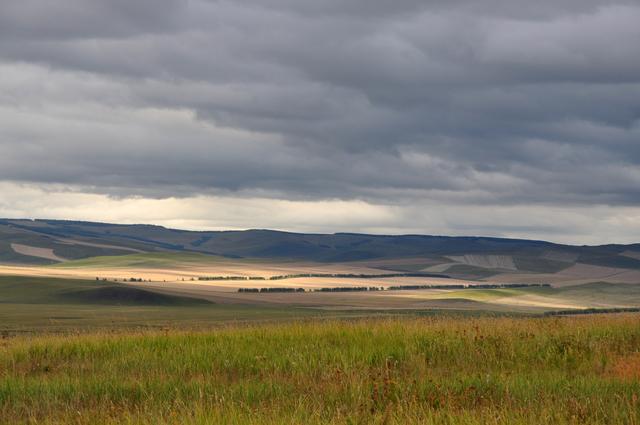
326,275
397,288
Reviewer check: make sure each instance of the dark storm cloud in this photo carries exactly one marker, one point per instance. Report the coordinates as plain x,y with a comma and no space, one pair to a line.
474,102
52,19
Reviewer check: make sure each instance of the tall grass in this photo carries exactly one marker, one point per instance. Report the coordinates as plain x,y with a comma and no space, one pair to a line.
392,371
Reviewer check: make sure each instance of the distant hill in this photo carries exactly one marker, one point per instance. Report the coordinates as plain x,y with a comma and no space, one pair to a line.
38,290
51,241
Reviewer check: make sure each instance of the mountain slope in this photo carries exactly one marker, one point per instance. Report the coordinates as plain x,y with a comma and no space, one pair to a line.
77,240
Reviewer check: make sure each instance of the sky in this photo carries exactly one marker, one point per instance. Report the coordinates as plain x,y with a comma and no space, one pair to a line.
449,117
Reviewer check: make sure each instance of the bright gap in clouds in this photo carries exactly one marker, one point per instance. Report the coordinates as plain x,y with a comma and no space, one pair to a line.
577,225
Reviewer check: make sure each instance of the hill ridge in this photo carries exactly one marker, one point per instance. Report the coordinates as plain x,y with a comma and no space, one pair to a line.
73,239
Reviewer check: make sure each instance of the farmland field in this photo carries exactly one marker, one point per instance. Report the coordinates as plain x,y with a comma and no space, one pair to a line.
36,305
43,303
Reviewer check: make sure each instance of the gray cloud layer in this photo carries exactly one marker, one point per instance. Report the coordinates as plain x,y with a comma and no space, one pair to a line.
465,102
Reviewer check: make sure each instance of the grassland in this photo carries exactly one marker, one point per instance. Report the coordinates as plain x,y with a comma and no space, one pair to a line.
395,371
174,350
176,267
36,305
76,351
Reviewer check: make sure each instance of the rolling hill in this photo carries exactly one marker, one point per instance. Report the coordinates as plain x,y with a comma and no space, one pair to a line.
53,241
30,290
90,272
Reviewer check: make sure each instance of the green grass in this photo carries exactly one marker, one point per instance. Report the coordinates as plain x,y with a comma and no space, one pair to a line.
18,319
401,371
484,294
87,352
